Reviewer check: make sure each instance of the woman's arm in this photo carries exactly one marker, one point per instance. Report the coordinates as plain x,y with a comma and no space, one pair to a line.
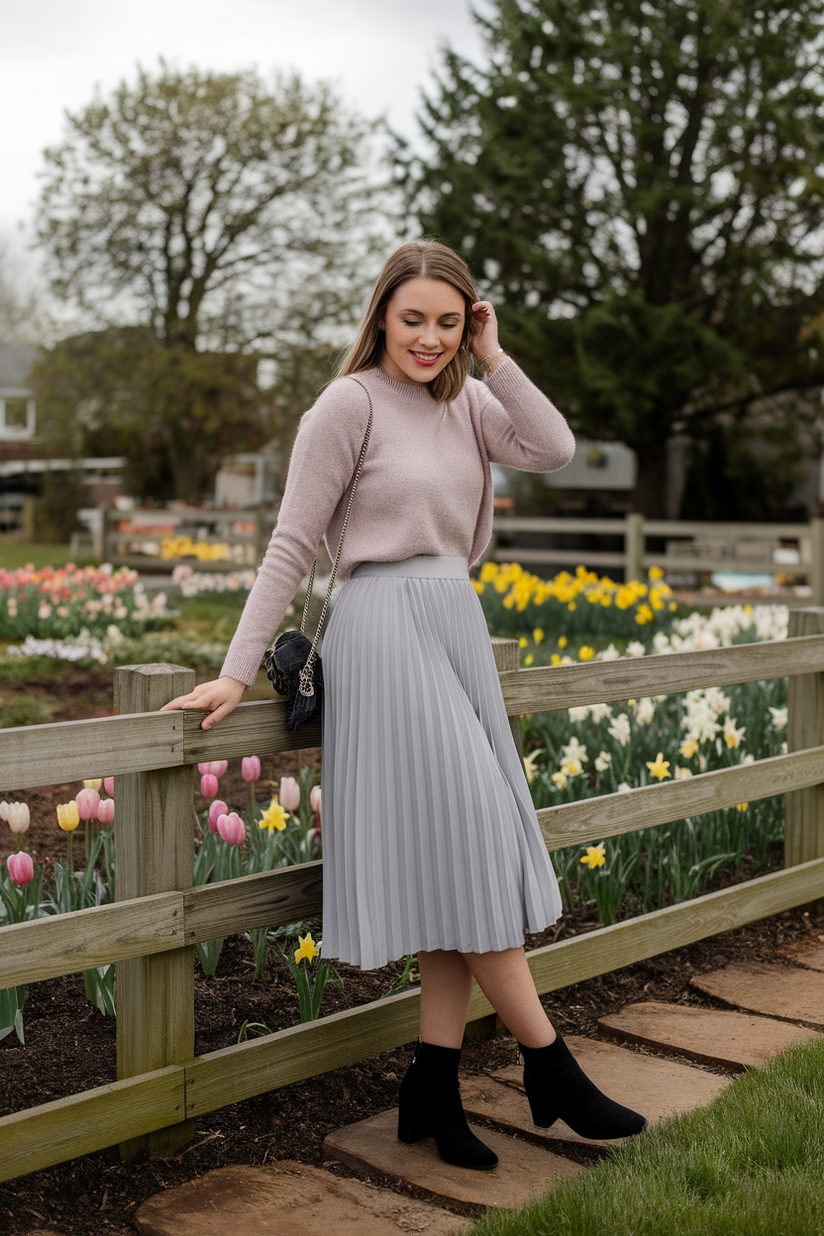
521,427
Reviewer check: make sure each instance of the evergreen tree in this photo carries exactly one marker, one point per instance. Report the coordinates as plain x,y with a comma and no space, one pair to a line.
638,184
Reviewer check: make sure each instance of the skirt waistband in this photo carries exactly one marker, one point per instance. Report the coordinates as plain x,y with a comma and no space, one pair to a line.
424,566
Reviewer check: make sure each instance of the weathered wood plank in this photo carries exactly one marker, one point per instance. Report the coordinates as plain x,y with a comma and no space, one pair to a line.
67,943
154,827
268,899
804,819
101,747
507,654
246,1069
258,726
609,948
549,688
42,1136
594,819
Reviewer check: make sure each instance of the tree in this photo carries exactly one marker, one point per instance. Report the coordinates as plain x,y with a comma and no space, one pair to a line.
639,183
190,219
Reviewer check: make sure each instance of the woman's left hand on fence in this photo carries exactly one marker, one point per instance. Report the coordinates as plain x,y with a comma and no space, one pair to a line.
218,697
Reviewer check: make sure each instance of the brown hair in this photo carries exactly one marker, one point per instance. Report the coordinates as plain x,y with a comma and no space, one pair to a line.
421,259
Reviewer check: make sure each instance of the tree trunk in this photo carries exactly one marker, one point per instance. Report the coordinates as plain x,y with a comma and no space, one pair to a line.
649,495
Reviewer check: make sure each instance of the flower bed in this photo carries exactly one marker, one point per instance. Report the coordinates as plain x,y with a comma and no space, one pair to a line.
57,603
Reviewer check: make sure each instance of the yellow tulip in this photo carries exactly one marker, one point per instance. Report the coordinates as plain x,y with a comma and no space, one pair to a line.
68,817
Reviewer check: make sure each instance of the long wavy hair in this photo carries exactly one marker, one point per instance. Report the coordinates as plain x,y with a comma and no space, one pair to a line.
421,259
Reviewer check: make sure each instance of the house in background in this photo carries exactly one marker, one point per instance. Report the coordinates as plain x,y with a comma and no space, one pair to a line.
24,460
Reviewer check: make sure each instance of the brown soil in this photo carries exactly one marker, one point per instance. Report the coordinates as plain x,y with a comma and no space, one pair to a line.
70,1047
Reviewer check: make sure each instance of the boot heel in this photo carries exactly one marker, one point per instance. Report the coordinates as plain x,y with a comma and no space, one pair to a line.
543,1116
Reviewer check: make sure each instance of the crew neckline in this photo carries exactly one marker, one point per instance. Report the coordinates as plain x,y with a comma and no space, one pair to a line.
412,391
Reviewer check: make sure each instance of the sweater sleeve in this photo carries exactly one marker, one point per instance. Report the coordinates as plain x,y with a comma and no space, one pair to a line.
321,469
521,427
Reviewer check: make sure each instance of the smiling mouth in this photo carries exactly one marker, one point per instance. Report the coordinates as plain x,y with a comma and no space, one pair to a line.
426,358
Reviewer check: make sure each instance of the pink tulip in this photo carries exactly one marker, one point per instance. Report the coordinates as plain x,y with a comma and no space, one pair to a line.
289,795
87,803
217,808
108,786
18,817
250,767
208,785
231,828
215,768
105,810
21,867
314,800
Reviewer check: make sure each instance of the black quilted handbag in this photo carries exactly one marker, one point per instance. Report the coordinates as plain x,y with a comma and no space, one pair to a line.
293,665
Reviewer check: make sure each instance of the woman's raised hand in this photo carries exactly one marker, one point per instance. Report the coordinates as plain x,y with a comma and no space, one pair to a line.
218,697
484,330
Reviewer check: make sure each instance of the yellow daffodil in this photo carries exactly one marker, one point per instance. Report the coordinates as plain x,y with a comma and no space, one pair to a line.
688,747
68,817
595,856
562,641
656,573
733,736
523,641
538,635
478,586
528,659
560,779
529,763
659,767
585,653
308,949
274,817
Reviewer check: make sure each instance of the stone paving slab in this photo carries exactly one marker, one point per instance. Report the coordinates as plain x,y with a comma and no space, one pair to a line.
735,1041
288,1199
803,953
780,991
658,1088
524,1170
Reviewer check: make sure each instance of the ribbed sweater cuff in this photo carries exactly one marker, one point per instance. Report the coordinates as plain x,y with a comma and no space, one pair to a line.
505,379
242,667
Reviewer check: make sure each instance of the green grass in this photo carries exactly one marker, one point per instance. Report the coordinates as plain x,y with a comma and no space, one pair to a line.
751,1162
13,556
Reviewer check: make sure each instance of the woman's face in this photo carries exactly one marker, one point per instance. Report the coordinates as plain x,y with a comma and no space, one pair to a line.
423,327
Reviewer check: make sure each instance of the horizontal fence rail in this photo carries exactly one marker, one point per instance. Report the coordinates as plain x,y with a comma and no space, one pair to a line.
73,750
152,750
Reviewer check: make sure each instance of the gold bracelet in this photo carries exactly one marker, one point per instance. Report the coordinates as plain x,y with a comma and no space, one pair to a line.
486,368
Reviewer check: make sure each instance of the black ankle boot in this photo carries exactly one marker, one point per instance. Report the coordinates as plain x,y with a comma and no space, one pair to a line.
558,1089
430,1105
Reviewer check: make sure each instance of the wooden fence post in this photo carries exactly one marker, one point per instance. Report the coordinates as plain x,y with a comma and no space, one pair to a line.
804,809
634,546
817,563
507,653
154,853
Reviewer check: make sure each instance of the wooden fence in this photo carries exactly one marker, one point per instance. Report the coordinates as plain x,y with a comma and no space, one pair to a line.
150,932
130,538
692,546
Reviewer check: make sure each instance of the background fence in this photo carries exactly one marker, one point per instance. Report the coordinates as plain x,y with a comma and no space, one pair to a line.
150,932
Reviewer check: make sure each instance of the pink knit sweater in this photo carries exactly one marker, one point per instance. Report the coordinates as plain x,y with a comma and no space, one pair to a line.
425,487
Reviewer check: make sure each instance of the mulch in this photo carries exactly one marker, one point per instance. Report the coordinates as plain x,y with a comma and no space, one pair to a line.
70,1046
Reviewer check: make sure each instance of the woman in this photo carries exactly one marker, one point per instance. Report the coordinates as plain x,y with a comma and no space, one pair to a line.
431,843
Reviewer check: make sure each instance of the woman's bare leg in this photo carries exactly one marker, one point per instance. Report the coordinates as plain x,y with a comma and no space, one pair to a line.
446,985
507,983
505,980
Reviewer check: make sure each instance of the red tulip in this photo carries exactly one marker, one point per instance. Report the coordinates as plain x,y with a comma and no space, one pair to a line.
108,786
289,794
208,785
250,767
217,808
87,803
105,810
21,867
231,828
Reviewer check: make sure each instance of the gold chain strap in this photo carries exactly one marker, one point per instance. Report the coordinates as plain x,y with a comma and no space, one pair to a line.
306,678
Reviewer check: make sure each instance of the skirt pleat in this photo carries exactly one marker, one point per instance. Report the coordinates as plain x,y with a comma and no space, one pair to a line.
430,838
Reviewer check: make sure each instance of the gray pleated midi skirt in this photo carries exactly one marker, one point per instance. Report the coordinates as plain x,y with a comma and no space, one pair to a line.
430,838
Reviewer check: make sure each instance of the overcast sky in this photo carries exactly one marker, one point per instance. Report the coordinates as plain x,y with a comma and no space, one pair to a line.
54,53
